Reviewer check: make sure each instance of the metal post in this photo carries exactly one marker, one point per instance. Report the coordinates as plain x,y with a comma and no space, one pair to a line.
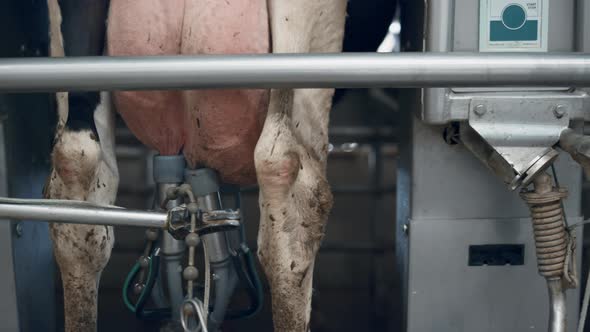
344,70
557,306
439,38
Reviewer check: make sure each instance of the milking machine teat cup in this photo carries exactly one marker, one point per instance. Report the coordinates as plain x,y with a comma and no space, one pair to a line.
188,223
195,217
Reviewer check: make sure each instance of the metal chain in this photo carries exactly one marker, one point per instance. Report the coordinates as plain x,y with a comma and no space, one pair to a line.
192,307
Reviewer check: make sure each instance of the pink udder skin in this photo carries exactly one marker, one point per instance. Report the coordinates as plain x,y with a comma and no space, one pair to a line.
213,128
149,27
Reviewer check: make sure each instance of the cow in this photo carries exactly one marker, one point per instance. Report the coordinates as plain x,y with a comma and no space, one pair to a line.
278,138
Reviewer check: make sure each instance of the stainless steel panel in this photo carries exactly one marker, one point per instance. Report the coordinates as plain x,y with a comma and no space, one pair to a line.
465,38
561,26
445,294
583,26
449,200
466,26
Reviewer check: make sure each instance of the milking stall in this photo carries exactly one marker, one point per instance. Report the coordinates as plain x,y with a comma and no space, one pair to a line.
309,165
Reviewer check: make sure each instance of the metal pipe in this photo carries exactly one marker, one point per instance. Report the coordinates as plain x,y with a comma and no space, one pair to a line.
440,27
78,213
226,281
168,172
205,186
215,242
171,251
578,146
557,306
344,70
551,241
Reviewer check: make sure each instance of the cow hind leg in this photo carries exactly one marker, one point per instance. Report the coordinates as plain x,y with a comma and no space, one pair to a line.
295,200
84,169
83,163
290,160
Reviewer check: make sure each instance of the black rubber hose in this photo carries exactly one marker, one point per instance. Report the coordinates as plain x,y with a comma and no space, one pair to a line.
138,308
253,287
153,314
249,277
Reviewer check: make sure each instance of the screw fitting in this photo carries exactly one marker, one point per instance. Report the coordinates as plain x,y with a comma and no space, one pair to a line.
480,110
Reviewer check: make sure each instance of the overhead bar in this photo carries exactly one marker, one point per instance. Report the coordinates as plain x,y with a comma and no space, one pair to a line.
343,70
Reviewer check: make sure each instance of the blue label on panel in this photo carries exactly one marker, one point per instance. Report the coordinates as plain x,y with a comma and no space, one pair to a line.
513,25
529,31
514,17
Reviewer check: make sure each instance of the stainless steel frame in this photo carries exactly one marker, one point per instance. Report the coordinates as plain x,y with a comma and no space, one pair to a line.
452,26
295,71
78,213
500,126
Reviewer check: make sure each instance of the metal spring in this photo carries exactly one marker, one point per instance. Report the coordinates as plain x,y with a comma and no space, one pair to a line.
551,236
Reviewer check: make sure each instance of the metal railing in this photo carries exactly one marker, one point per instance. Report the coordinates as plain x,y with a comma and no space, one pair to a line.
344,70
76,212
266,71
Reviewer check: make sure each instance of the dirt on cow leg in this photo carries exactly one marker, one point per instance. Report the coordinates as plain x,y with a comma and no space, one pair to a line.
84,169
80,299
81,251
295,201
290,160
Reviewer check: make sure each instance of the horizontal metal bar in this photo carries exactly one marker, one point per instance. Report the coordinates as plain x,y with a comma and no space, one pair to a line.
78,213
344,70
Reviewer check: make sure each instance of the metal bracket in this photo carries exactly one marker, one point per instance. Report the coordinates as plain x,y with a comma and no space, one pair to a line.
442,106
179,223
519,132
